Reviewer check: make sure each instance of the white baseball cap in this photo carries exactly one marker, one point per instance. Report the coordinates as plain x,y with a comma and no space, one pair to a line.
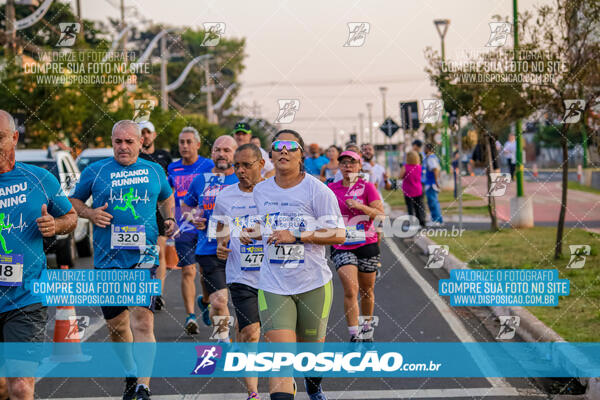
146,125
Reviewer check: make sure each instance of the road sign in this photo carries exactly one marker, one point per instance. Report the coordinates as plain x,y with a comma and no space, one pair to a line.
409,115
389,127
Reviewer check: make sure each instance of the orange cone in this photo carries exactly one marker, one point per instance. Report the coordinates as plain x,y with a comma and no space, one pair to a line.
535,170
171,255
66,330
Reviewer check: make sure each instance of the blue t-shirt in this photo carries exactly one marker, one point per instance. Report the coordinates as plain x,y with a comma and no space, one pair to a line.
23,190
313,165
180,179
132,193
202,194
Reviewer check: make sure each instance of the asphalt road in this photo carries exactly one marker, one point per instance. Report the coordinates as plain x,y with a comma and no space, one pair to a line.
409,310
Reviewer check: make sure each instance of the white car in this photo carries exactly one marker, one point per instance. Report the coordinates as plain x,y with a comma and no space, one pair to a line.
63,167
89,156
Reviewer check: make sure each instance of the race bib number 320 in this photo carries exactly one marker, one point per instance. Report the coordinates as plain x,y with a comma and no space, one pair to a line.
129,237
11,269
288,255
251,257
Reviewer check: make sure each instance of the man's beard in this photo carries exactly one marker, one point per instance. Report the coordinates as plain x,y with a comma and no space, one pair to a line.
145,146
366,158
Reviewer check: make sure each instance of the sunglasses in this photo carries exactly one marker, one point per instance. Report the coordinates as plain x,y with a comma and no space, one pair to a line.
289,145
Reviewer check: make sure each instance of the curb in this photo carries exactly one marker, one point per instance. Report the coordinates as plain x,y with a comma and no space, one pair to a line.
531,328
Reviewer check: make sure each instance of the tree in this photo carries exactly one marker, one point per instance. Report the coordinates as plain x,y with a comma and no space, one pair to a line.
565,35
491,108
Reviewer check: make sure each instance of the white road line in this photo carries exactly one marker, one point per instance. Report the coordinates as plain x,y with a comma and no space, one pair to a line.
359,394
447,313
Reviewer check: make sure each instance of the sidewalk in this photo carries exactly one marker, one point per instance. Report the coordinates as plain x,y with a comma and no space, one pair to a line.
582,207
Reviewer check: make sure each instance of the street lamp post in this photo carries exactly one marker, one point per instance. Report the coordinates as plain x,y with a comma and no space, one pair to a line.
518,134
361,128
369,109
441,25
383,91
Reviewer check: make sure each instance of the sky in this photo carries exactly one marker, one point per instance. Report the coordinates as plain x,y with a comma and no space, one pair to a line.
295,50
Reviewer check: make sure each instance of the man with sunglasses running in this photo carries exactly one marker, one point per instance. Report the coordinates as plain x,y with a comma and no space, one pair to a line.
242,133
235,210
201,195
300,217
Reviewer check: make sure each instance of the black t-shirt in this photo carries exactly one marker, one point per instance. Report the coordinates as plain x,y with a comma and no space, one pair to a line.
159,156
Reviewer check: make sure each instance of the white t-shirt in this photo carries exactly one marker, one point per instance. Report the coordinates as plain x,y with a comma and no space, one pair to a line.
236,209
298,207
510,151
268,164
376,171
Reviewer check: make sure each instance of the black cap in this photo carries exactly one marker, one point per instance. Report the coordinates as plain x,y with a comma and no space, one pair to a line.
242,127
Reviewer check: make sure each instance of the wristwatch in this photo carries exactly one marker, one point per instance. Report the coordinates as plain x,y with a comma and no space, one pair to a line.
296,233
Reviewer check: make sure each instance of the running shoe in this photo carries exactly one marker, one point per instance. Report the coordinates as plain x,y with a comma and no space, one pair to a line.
316,396
367,334
159,303
142,394
253,396
354,338
130,385
205,309
191,325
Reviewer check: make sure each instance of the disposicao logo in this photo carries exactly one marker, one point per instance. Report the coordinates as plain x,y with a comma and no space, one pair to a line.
207,359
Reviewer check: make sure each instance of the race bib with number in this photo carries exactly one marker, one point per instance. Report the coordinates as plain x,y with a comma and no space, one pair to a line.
11,269
251,256
128,237
288,255
355,234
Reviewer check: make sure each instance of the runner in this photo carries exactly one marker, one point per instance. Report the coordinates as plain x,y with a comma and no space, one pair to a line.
151,153
376,172
124,187
431,164
181,175
358,259
235,210
202,194
329,170
242,133
255,140
315,160
38,200
295,281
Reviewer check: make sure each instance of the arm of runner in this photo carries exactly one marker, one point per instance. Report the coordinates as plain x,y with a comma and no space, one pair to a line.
249,234
50,226
325,236
166,209
98,216
223,239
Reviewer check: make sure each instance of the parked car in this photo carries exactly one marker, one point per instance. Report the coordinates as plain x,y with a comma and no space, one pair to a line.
89,156
63,167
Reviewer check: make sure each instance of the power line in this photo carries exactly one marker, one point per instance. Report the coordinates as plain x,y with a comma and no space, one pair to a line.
340,82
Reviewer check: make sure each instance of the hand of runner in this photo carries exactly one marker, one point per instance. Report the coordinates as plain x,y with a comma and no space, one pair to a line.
353,204
281,237
100,217
222,250
170,227
46,223
199,223
249,234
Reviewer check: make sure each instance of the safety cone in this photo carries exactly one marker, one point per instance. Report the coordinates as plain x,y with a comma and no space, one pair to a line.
535,170
171,255
579,174
67,344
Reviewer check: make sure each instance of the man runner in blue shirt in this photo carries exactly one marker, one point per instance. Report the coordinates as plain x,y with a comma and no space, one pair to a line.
181,175
32,206
126,191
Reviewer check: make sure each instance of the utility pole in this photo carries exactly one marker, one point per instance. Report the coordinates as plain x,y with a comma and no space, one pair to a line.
79,9
383,91
11,31
361,127
209,88
370,120
164,96
518,135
